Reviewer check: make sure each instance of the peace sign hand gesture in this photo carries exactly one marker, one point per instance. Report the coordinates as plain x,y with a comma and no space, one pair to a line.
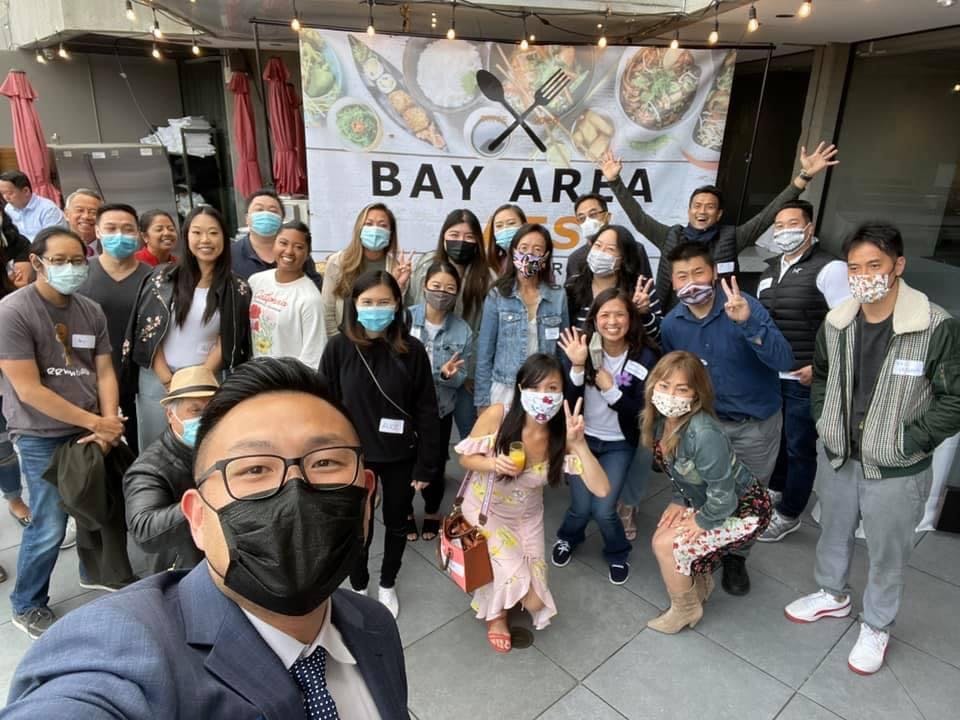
451,366
402,269
575,424
610,166
642,293
574,343
737,307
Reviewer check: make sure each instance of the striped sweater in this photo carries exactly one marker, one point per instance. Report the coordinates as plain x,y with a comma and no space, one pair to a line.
915,403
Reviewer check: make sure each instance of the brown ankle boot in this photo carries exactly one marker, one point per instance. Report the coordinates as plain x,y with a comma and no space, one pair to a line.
704,585
685,609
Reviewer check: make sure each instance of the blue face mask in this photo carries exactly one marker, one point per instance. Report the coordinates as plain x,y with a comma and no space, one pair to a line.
119,246
66,279
376,319
265,223
190,427
504,236
374,238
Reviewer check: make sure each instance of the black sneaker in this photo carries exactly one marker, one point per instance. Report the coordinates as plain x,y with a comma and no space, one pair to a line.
735,579
619,572
35,621
561,553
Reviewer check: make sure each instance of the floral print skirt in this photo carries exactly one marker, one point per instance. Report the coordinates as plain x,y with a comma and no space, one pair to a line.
750,519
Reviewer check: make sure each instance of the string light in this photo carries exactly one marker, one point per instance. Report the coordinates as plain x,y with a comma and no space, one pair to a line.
131,15
675,43
371,30
602,27
157,32
433,21
62,52
524,45
806,7
753,23
295,22
40,57
195,49
156,52
714,36
452,32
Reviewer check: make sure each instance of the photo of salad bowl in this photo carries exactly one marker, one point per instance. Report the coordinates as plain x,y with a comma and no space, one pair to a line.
355,123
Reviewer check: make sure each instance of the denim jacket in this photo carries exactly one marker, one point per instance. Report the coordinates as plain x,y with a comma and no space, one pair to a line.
454,337
705,471
502,346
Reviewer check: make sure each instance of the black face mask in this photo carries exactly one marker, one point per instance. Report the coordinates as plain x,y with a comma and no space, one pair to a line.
290,552
460,252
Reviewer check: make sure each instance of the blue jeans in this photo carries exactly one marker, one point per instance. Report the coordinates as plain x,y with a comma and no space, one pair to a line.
796,465
151,416
638,477
464,413
42,537
614,457
9,467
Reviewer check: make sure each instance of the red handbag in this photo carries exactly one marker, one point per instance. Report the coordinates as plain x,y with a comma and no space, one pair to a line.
463,552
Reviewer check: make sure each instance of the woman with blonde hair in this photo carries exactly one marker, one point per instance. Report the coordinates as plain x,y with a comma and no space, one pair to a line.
717,506
374,247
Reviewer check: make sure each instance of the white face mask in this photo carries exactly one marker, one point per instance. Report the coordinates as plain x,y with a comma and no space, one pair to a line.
541,406
602,264
590,227
789,239
670,405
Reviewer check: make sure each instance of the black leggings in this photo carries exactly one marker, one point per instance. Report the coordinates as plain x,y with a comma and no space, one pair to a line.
394,479
433,493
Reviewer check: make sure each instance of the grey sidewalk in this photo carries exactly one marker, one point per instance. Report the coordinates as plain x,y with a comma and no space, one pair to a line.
597,660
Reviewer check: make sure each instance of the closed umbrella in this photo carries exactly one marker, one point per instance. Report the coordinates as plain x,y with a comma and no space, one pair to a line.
246,176
32,152
287,175
296,106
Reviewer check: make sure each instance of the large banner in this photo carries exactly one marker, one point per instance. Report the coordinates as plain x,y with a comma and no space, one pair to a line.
428,125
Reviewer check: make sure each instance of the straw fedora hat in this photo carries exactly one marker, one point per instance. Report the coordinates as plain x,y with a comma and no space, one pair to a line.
195,381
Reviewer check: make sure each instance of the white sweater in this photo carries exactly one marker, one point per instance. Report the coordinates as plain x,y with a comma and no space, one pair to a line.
286,319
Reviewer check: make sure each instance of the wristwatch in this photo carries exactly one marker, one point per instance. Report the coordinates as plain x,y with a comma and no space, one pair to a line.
805,177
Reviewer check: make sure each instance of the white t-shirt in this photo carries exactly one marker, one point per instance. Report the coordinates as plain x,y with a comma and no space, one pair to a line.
190,343
600,420
286,319
428,336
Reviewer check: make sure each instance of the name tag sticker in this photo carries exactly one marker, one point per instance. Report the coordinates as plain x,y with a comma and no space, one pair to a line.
391,426
725,267
764,285
84,342
908,367
636,369
551,333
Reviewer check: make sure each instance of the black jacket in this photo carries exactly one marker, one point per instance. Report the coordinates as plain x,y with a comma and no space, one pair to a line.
89,484
151,320
408,381
158,537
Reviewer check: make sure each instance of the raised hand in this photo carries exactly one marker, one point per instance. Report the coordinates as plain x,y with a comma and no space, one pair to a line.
610,166
574,344
402,269
819,160
575,423
450,367
736,307
642,294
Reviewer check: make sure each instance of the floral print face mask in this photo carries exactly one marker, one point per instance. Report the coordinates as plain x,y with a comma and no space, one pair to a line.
670,405
542,406
869,288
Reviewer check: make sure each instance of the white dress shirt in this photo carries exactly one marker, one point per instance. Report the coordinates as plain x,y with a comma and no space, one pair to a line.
344,681
36,215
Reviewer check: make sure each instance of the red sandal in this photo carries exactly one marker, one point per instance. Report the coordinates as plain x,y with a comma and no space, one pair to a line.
499,641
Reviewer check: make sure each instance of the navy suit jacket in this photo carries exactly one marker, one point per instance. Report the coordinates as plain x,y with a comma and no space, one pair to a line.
174,646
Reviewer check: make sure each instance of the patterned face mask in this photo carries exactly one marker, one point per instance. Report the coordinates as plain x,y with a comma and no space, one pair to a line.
868,289
670,405
528,265
695,293
542,406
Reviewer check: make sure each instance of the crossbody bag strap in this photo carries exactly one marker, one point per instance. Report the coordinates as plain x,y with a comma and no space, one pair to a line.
487,496
375,382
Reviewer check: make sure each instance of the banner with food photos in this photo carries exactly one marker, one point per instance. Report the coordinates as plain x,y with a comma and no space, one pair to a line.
430,125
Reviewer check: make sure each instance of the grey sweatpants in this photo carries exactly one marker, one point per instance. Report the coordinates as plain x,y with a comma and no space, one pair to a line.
891,509
757,444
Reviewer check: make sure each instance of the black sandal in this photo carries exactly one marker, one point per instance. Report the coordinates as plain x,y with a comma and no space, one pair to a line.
430,530
413,534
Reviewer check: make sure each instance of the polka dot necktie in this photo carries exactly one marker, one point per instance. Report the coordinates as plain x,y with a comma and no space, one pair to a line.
311,675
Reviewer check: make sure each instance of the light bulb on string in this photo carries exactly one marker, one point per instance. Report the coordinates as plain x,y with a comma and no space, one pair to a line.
371,30
62,52
452,32
156,52
714,37
524,44
157,32
675,43
806,7
40,57
131,15
194,48
753,24
601,26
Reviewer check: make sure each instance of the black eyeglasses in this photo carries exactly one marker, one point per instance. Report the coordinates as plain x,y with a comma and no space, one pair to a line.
258,477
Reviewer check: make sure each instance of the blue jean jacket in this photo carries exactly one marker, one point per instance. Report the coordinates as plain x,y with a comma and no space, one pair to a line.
454,337
502,346
705,471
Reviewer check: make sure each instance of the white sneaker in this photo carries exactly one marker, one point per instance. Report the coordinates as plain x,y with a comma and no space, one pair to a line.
867,655
70,537
360,592
820,604
388,596
775,496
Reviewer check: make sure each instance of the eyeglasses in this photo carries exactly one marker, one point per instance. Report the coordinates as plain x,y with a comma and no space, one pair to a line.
59,261
258,477
593,215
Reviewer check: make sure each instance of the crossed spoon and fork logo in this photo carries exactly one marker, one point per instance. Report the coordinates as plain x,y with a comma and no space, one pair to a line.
492,89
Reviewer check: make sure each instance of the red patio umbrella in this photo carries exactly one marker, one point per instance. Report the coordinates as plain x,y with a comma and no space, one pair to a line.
296,105
246,176
31,147
287,175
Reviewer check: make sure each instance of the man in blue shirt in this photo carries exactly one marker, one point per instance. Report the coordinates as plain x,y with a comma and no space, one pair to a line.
30,213
744,352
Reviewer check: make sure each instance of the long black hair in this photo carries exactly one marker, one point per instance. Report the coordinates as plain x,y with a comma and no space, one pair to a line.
396,333
636,337
186,273
476,275
581,286
509,278
533,371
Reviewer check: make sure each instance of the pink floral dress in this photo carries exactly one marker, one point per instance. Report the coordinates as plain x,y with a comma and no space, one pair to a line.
514,532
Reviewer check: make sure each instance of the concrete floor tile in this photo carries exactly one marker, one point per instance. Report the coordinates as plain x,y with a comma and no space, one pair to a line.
685,676
932,684
939,555
755,628
928,616
855,697
802,708
580,704
594,619
10,529
428,598
519,685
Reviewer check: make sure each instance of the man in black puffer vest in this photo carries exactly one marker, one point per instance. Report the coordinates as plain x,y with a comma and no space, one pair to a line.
703,214
798,288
